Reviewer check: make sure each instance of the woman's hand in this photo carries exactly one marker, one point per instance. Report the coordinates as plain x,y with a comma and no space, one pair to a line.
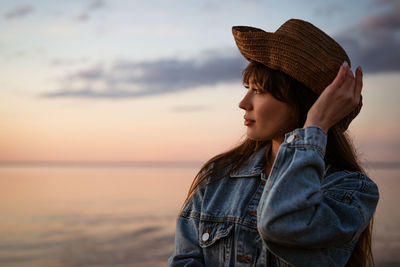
337,100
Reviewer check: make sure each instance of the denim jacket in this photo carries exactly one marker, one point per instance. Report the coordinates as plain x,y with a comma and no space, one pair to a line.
303,214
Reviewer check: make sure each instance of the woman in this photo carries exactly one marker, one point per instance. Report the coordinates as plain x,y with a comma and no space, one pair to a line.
293,193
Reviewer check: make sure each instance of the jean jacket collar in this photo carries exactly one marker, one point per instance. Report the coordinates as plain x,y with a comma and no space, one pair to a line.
253,166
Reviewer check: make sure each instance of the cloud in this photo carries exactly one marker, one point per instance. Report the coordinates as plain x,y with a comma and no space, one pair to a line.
96,4
328,9
388,20
66,62
138,79
93,6
83,17
18,11
211,7
374,43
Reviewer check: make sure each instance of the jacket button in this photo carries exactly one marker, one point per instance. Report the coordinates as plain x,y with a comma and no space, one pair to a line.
244,259
205,237
252,213
290,138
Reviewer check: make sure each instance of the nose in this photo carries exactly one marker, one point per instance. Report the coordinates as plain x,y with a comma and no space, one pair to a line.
245,103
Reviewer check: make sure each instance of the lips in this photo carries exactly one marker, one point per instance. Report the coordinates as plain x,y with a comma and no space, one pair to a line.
248,121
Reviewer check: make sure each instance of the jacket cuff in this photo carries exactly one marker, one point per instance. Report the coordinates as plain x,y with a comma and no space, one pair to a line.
312,136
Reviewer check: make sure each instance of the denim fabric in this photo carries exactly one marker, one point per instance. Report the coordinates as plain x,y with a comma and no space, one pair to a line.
303,214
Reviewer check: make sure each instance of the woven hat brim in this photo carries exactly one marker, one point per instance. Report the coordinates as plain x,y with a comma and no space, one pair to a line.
284,53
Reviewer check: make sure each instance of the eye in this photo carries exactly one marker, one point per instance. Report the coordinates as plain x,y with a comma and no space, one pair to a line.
255,90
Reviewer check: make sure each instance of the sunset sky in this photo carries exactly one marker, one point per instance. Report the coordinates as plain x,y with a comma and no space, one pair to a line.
160,80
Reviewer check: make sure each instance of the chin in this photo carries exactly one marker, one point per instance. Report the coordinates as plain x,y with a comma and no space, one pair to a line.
257,137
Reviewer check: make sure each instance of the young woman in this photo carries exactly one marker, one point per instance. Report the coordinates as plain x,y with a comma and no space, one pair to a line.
293,193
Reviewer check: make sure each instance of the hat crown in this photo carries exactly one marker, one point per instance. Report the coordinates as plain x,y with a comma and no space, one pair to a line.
304,31
295,28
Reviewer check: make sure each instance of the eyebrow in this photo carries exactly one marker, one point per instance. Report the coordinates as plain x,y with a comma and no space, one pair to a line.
253,83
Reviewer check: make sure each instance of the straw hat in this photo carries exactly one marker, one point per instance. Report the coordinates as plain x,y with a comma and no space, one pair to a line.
300,50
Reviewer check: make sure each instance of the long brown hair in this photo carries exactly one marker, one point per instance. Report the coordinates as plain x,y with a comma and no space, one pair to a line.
340,152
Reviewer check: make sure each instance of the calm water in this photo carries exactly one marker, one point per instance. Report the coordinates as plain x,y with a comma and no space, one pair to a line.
123,216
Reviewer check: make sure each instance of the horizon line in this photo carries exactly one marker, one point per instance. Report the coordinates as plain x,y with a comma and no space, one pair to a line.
108,163
159,163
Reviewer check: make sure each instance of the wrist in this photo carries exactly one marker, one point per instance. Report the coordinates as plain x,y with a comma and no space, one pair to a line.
321,125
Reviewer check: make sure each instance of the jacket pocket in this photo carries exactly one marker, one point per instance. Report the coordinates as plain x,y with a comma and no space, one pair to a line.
211,232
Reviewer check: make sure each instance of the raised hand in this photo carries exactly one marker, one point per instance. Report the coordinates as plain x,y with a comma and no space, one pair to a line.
337,100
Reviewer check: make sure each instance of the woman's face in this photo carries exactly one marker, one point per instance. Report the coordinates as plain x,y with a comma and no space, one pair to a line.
266,117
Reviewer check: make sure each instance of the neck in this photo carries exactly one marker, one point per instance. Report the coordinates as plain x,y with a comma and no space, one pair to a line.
271,153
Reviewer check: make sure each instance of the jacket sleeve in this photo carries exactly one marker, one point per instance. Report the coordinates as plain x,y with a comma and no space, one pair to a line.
301,208
187,250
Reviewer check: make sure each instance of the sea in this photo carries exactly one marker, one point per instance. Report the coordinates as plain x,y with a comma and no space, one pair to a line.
84,214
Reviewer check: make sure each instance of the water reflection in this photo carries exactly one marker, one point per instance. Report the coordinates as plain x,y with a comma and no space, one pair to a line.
83,216
89,216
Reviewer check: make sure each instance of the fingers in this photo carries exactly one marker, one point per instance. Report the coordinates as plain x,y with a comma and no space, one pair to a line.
341,76
348,83
353,85
350,73
359,83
